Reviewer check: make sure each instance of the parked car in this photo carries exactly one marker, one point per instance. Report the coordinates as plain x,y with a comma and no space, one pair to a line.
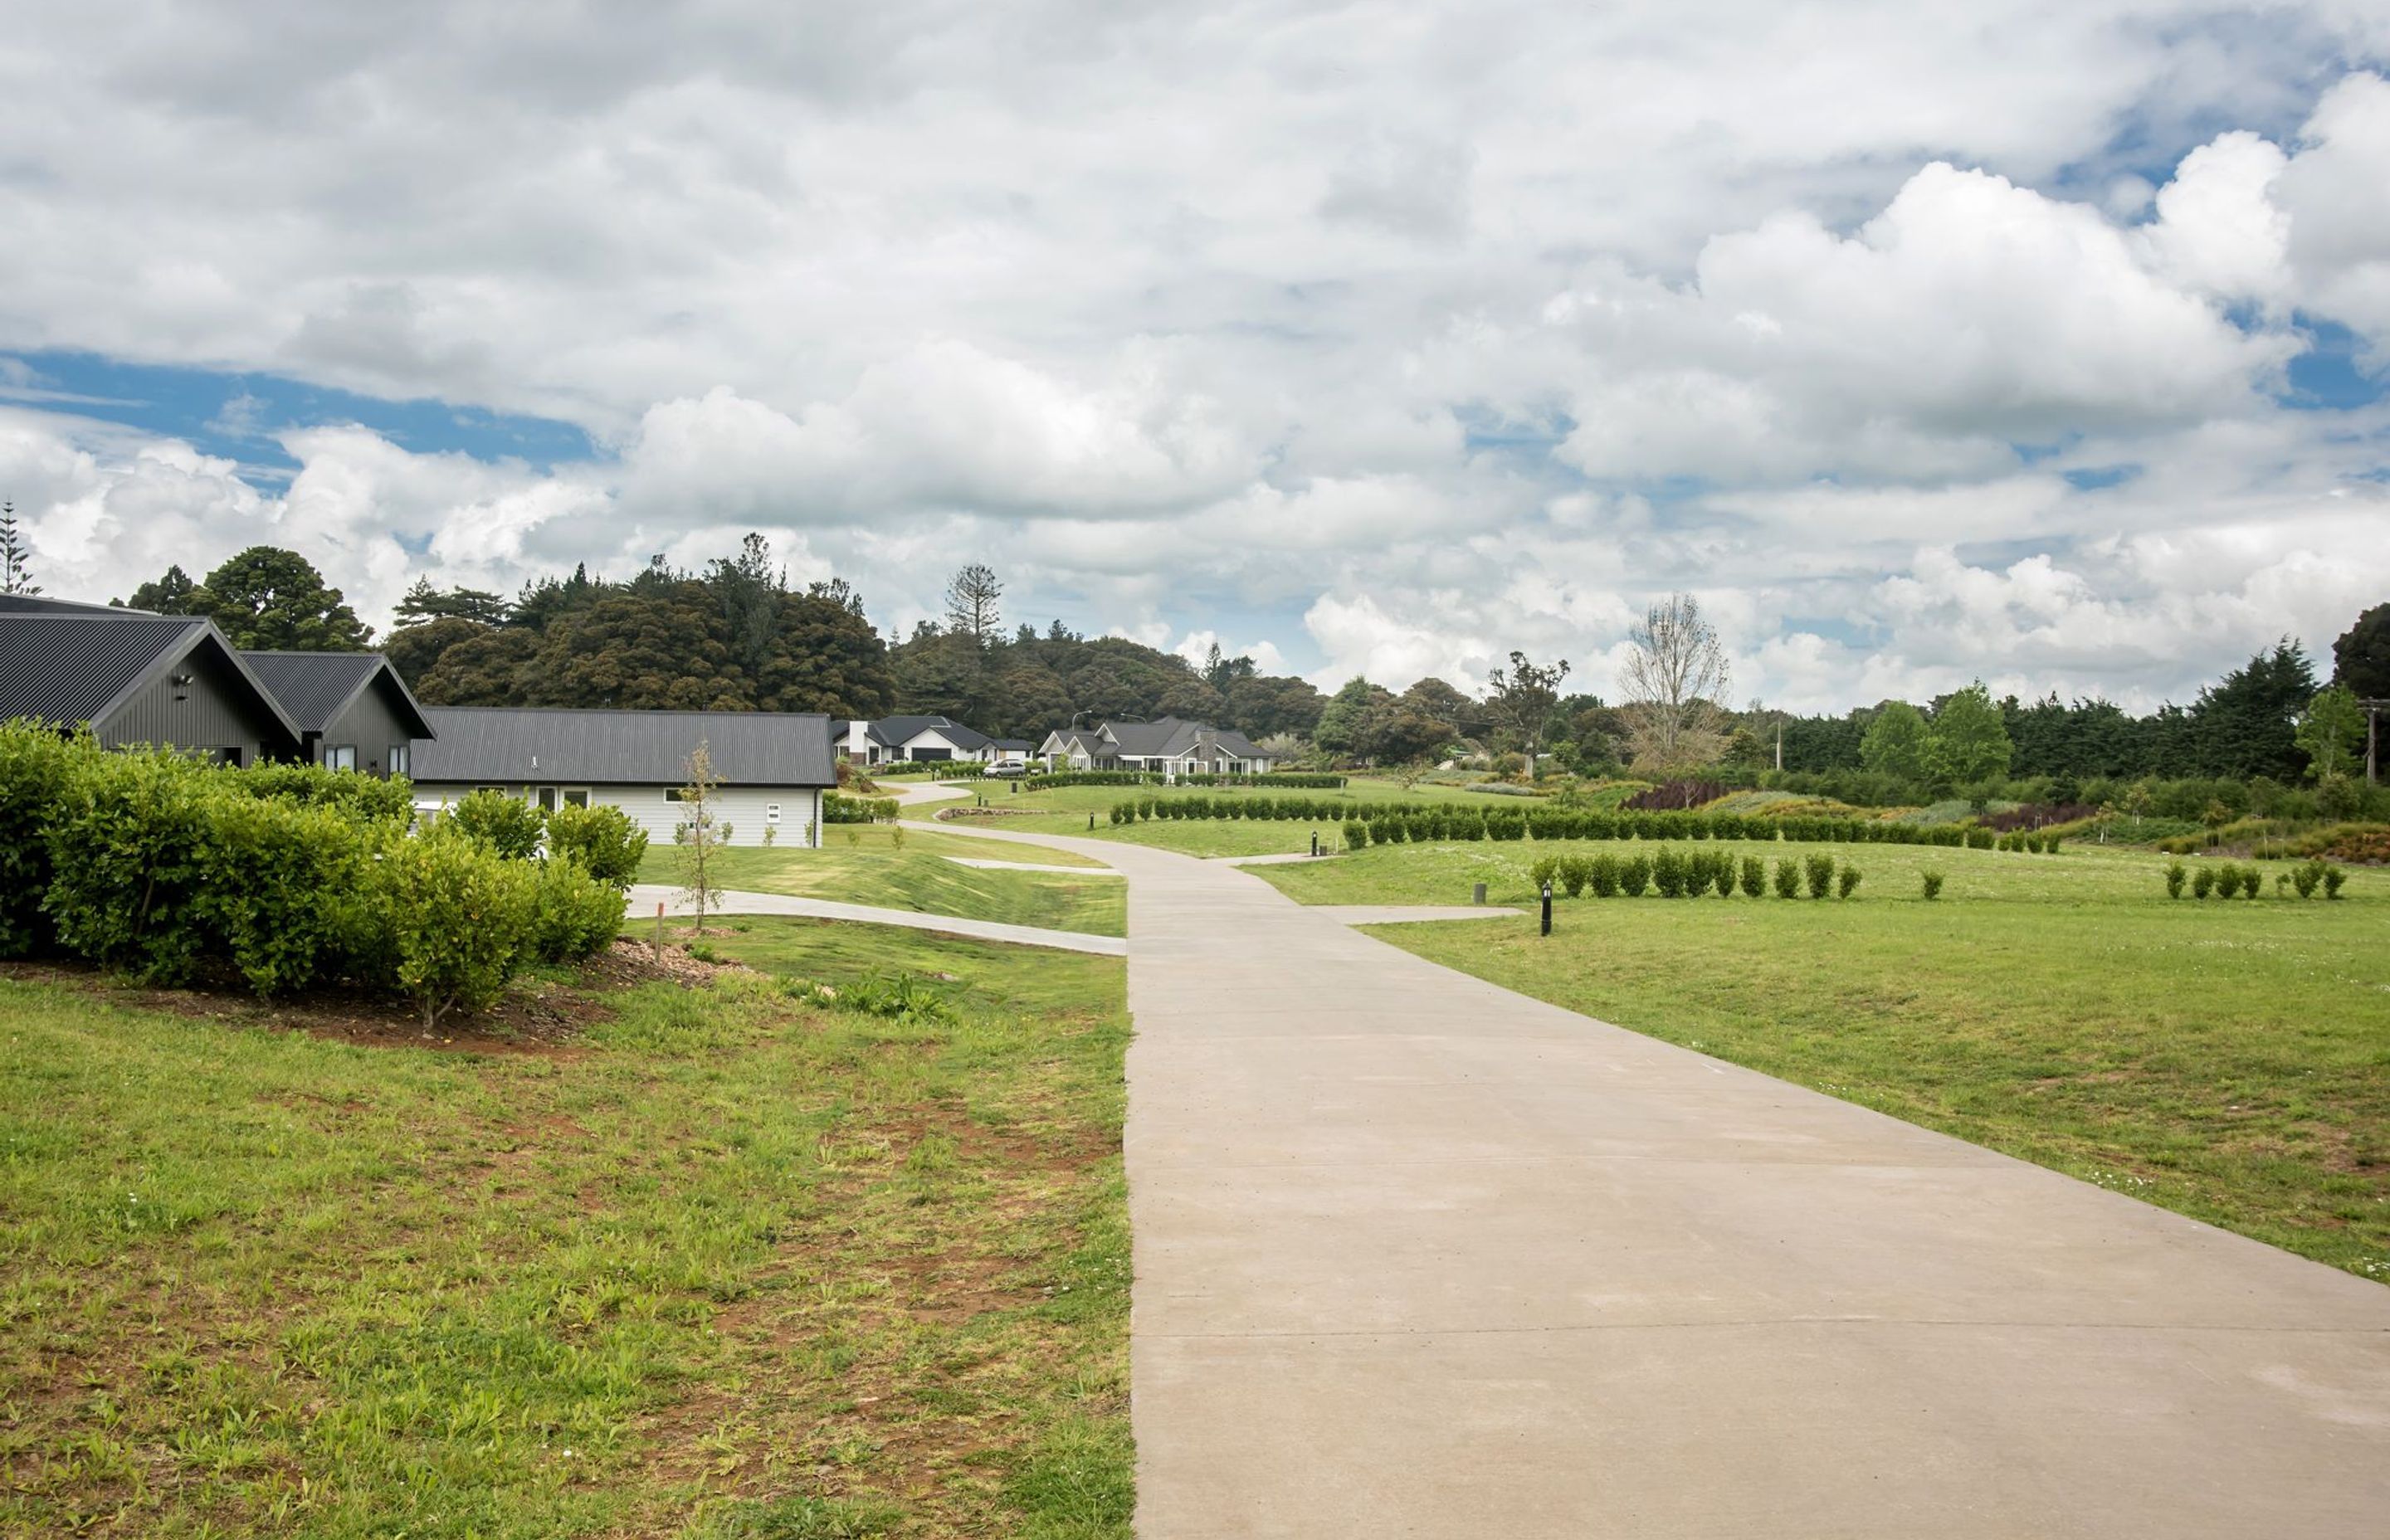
1007,768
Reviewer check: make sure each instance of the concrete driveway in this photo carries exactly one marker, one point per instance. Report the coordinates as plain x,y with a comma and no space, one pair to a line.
1418,1256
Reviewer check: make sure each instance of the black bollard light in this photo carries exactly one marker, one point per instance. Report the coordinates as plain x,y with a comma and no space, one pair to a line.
1314,841
1091,823
1547,907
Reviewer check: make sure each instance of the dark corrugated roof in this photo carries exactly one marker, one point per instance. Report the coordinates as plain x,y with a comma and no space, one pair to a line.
897,731
70,668
507,745
42,604
315,687
1169,738
73,668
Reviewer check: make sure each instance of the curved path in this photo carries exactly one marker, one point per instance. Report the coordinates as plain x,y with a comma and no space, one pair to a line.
1416,1256
644,896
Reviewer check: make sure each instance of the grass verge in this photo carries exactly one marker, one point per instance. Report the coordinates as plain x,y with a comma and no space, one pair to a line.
716,1264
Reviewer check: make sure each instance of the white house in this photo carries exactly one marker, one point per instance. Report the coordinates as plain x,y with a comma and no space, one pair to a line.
1166,746
773,766
919,740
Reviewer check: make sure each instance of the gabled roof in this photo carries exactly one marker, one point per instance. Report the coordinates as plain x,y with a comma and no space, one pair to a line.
316,688
79,668
1170,738
897,731
42,604
519,745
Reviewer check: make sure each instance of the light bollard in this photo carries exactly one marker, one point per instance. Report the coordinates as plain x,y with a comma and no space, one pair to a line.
1548,906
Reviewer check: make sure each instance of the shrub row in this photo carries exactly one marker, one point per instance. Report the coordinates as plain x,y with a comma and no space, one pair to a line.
1301,780
2233,880
1674,873
1366,826
293,876
839,808
1060,778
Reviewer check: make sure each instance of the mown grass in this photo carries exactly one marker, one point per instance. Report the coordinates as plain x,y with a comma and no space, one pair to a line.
905,867
726,1266
2228,1060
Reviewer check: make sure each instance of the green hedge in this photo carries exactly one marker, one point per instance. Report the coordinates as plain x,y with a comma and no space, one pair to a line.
839,808
1420,822
291,877
1057,780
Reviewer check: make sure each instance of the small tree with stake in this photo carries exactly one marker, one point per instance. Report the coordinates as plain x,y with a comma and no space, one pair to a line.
700,838
16,576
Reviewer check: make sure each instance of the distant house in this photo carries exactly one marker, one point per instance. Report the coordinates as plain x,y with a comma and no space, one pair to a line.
913,739
353,710
1166,746
133,678
773,767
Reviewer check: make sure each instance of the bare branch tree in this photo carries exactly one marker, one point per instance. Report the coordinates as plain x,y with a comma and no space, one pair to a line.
970,603
700,837
1674,681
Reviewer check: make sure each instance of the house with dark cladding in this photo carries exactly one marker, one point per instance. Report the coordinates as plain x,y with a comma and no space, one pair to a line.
137,678
353,710
1166,746
773,767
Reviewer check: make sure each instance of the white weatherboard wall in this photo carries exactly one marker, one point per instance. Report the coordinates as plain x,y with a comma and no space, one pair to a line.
744,808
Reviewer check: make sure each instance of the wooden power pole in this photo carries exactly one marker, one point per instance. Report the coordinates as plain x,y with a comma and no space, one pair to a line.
2373,710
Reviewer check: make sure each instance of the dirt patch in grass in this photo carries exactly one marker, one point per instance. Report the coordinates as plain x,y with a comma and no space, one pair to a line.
538,1016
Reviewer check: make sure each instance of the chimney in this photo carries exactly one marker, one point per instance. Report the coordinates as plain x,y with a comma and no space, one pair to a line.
858,742
1207,744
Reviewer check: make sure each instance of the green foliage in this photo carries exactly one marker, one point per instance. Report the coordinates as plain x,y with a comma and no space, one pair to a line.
2332,878
367,799
2330,733
283,887
1820,869
35,765
1970,741
508,825
1668,872
1576,871
576,914
2202,882
1602,875
131,853
604,841
2174,879
1846,881
2361,657
1788,877
1754,876
1932,882
459,919
268,600
2304,876
1899,742
1634,876
1543,869
839,808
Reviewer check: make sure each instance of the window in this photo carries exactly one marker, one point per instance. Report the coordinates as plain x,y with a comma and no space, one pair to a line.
771,813
398,759
545,798
499,790
576,796
340,756
672,794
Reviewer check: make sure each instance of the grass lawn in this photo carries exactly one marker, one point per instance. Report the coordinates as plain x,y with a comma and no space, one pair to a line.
2227,1059
717,1266
905,866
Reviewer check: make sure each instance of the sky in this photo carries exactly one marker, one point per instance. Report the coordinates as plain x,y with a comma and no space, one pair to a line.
2046,343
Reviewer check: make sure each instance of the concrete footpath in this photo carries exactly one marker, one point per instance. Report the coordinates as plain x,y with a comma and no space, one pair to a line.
1418,1256
644,896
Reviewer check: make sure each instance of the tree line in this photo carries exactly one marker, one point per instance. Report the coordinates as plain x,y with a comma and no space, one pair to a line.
737,635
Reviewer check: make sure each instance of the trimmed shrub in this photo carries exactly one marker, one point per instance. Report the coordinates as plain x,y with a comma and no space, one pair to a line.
1754,876
1576,871
459,920
1846,880
1933,883
1543,869
1668,873
1356,835
130,855
2175,879
1788,877
838,808
575,913
603,839
1821,875
2202,882
368,799
284,885
1722,874
1634,876
507,825
2253,882
2332,878
37,768
2305,878
1601,876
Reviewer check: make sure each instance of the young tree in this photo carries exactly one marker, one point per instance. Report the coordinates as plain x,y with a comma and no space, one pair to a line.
1674,679
1522,700
2330,731
1970,741
700,839
1897,742
16,576
970,603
